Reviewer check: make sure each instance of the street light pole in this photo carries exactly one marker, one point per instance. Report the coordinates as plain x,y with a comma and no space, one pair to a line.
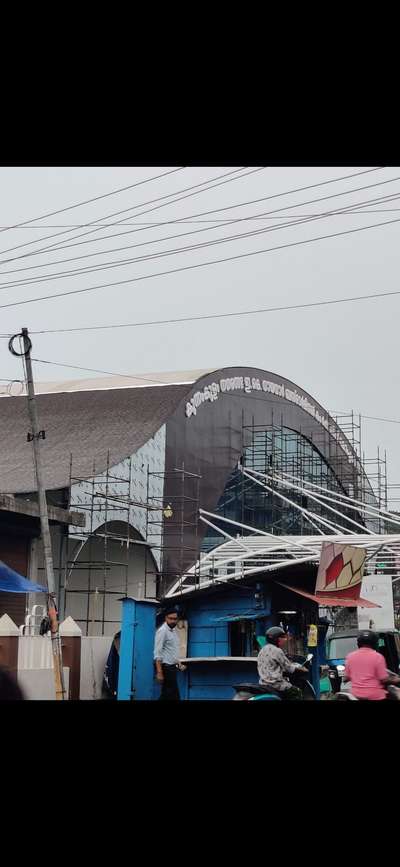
34,436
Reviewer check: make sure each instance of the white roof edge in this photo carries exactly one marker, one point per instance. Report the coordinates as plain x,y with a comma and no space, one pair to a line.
106,388
109,383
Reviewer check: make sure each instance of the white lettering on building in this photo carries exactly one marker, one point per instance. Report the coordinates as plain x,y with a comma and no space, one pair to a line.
249,384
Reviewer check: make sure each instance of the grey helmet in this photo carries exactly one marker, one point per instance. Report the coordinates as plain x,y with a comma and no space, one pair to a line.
273,633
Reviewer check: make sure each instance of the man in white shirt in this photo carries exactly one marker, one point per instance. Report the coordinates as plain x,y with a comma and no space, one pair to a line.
166,656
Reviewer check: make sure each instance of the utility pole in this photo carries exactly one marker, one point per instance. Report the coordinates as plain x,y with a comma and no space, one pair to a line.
34,436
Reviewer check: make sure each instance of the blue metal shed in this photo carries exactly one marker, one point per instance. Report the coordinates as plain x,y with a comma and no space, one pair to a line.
223,623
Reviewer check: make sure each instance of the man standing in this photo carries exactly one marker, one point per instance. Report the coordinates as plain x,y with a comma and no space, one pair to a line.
166,656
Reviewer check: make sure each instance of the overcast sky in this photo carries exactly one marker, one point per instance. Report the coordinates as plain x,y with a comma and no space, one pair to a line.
345,355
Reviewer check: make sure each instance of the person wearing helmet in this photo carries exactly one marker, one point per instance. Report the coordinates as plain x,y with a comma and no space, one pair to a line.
366,669
273,665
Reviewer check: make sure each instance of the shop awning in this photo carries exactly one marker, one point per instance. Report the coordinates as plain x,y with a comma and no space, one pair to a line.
328,600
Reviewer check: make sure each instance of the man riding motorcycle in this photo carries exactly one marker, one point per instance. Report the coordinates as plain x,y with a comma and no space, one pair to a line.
366,669
273,664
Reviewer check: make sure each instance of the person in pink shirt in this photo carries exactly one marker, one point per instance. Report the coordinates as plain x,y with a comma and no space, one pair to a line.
366,669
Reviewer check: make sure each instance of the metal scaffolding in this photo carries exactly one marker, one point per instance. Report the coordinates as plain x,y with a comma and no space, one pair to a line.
171,518
91,570
105,499
277,451
163,520
310,483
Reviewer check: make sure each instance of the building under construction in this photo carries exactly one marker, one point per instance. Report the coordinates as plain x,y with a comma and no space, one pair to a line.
143,459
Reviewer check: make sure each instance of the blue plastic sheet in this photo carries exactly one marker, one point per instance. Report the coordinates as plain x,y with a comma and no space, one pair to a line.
12,582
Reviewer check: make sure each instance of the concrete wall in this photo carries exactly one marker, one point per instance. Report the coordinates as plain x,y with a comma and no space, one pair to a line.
94,653
34,652
35,668
35,665
37,684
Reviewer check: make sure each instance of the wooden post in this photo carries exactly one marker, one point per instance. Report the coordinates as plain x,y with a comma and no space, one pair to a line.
71,636
35,436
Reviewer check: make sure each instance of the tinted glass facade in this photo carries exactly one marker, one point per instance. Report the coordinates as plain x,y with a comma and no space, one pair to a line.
277,451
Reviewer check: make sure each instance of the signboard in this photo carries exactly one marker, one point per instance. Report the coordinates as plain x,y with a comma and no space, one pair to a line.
339,578
340,570
312,640
378,589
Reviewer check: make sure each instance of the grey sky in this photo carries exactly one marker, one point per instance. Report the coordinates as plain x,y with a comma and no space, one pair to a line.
344,355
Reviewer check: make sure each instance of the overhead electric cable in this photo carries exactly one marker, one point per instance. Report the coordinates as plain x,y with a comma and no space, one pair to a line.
198,265
55,244
121,262
27,223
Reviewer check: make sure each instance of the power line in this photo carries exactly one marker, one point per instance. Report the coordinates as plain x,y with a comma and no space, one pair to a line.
200,317
371,417
155,381
346,209
92,222
88,201
96,370
125,210
184,220
204,213
171,252
198,265
376,418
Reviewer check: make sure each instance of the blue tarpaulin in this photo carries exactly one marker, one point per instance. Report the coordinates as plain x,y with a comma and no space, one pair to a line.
12,582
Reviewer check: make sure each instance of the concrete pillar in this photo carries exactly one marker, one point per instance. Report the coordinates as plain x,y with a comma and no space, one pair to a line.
71,636
9,637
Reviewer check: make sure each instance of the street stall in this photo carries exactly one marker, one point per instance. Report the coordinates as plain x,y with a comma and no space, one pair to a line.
225,619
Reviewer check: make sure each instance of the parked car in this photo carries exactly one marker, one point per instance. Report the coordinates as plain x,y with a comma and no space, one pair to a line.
340,644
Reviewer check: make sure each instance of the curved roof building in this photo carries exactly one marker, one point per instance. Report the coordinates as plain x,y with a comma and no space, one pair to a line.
161,446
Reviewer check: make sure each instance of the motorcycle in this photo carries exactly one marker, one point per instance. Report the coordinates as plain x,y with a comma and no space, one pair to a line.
393,691
258,692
